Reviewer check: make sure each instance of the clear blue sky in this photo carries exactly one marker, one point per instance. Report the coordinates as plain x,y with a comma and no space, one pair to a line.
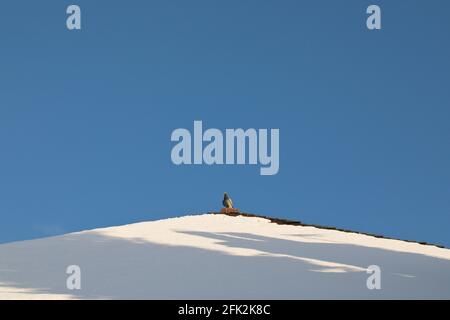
86,116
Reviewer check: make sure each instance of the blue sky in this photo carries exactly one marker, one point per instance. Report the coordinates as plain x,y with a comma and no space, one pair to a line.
86,116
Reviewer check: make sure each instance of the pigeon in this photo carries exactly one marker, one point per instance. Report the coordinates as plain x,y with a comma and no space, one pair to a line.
227,203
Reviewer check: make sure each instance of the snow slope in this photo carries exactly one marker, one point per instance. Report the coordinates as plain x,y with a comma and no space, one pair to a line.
216,256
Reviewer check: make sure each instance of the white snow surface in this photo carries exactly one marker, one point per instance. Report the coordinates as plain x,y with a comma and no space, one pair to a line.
215,256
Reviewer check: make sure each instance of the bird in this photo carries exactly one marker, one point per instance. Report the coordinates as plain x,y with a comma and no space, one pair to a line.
227,202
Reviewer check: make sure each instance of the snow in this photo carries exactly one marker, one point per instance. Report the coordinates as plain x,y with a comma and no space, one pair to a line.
215,256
